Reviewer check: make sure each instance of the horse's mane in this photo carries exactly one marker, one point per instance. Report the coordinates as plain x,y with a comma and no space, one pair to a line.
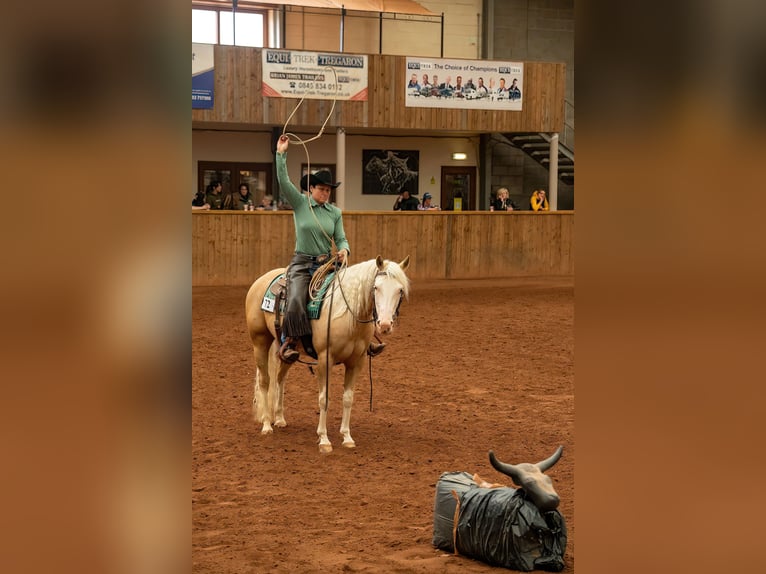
357,280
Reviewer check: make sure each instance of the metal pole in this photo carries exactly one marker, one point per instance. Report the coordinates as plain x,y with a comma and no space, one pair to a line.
441,55
553,173
234,22
340,166
283,26
342,24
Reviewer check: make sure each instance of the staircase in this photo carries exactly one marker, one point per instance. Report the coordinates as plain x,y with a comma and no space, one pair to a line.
537,146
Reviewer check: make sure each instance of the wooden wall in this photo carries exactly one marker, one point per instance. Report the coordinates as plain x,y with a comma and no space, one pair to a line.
239,100
234,248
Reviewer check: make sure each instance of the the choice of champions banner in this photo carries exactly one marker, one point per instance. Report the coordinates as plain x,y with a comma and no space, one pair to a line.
314,75
472,84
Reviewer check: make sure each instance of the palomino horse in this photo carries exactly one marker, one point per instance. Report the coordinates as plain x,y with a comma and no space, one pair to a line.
364,299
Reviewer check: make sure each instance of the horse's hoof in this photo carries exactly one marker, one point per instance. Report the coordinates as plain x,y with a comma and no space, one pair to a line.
267,430
349,444
325,448
280,423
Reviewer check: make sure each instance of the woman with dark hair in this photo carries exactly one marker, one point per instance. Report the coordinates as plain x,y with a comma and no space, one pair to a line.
198,203
213,195
244,199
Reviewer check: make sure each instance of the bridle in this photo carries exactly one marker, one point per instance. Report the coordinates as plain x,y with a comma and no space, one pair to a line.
374,317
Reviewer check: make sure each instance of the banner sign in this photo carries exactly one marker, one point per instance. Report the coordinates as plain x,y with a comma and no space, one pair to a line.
466,84
203,76
314,75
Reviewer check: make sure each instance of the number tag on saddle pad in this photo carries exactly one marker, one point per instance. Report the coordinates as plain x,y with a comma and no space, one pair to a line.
314,306
268,304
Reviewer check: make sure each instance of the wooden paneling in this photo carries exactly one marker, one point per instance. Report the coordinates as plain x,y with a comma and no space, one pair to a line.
239,99
234,248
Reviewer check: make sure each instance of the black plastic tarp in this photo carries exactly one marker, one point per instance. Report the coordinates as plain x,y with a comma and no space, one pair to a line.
498,526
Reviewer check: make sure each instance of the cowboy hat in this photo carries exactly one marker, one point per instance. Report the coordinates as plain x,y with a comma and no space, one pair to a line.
322,177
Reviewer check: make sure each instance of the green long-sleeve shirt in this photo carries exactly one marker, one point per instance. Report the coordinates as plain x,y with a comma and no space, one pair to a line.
309,238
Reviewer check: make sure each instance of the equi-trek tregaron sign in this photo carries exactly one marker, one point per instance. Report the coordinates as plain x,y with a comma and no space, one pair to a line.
314,75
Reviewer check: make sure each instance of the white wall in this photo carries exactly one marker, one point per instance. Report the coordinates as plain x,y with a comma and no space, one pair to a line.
255,147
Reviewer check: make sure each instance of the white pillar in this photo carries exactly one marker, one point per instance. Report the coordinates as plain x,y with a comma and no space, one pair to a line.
340,167
553,173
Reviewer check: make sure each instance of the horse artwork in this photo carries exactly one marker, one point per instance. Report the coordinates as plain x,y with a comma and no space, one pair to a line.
362,300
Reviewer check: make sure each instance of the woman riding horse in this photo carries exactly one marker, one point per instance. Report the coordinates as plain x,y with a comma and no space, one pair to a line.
317,225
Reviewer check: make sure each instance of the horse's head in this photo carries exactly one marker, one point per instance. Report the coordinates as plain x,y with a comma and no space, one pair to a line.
391,286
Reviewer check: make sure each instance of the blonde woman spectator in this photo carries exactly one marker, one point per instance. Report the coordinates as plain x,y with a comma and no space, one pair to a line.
503,201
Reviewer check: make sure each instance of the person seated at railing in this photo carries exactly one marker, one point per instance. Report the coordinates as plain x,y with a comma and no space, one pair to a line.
267,203
538,201
199,203
244,200
503,201
426,205
405,202
213,195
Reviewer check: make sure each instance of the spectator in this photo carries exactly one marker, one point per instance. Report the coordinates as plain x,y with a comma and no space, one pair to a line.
426,205
538,201
199,203
503,202
405,202
213,196
244,199
267,203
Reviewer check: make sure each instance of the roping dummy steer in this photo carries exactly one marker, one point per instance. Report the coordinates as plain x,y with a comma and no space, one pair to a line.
517,528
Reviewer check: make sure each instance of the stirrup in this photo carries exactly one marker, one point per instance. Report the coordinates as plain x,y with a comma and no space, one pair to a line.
287,352
375,349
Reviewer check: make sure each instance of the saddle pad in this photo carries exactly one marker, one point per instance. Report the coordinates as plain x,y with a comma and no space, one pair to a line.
313,308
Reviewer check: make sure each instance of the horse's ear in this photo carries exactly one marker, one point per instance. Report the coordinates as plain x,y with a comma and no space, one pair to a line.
379,262
405,263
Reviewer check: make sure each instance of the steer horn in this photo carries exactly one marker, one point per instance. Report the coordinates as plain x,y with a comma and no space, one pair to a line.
505,468
544,465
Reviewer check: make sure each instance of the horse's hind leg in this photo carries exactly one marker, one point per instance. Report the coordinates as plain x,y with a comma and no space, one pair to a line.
278,387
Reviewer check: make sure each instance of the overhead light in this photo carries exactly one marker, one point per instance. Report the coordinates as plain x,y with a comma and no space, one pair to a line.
459,155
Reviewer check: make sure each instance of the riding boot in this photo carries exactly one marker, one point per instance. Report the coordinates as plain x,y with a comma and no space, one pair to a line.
308,346
287,351
375,349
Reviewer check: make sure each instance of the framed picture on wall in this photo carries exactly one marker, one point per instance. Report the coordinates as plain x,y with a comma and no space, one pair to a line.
315,167
389,172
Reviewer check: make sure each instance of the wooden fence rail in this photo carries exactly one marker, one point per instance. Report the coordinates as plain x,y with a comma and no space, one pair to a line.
234,248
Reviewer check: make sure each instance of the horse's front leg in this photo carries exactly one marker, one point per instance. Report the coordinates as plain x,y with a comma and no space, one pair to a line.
263,406
349,382
323,373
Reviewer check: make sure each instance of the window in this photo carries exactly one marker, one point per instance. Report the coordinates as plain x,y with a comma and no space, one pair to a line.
231,174
229,28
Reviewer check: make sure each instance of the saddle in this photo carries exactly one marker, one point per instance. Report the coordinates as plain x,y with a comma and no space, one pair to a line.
275,298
